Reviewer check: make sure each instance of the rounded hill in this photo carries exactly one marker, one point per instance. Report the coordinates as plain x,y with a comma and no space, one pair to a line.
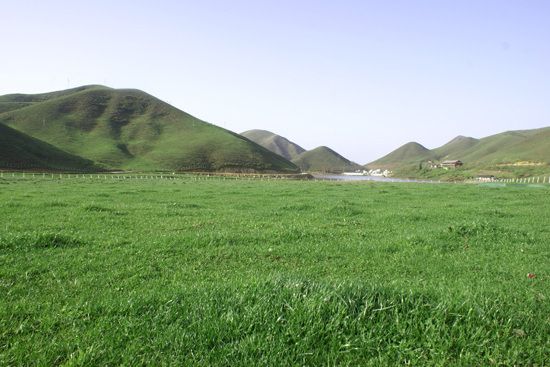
130,129
275,143
324,159
409,153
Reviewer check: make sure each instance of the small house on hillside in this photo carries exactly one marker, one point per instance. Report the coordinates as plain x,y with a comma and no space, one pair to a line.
451,164
432,164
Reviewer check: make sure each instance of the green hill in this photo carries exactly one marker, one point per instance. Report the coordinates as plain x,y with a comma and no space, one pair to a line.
324,159
41,97
455,148
511,153
275,143
130,129
22,152
511,147
411,153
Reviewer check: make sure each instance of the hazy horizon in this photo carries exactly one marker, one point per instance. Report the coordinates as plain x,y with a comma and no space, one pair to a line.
362,77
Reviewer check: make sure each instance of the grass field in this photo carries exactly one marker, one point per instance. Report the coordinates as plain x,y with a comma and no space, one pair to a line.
237,272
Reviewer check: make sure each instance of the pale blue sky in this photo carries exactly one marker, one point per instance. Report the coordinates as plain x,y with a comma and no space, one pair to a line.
362,77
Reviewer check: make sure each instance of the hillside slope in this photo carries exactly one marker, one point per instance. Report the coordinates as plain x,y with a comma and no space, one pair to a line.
510,147
455,148
324,159
511,154
408,154
130,129
275,143
22,152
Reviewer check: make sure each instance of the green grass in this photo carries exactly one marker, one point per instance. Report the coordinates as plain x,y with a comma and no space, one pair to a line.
238,272
129,129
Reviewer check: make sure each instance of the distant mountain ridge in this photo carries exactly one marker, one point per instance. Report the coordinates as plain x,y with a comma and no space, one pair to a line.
320,159
406,154
130,129
455,148
275,143
324,159
509,147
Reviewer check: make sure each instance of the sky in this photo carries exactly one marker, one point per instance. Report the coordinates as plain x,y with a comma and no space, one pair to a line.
360,76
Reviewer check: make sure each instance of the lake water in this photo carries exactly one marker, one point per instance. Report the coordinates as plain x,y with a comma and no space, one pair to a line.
368,178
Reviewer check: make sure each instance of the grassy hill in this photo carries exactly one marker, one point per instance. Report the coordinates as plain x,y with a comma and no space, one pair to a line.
455,148
275,143
324,159
409,154
511,147
511,153
22,152
130,129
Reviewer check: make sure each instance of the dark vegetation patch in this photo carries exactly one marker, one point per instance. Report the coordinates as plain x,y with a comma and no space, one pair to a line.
128,193
96,208
41,240
184,205
127,108
345,208
180,209
54,204
124,149
482,234
12,204
297,207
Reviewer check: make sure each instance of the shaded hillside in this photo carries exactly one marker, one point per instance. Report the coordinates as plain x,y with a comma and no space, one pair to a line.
324,159
275,143
408,154
10,106
130,129
22,152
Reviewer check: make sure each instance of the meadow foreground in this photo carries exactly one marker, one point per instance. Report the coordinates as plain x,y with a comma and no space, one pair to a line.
237,272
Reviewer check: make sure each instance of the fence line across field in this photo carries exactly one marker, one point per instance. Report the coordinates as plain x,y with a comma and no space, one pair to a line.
245,177
95,176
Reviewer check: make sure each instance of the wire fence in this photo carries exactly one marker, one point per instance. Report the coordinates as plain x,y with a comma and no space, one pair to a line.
149,176
518,180
196,176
